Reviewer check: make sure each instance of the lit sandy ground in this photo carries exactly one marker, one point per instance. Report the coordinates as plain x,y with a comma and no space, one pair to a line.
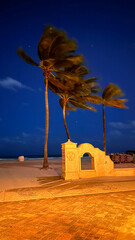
14,174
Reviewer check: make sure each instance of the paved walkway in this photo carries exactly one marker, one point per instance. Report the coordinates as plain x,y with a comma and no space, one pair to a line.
52,187
102,208
109,216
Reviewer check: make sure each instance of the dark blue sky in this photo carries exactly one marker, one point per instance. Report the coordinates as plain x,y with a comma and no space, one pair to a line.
105,33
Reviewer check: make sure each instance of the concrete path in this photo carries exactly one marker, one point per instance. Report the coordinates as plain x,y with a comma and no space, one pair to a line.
52,187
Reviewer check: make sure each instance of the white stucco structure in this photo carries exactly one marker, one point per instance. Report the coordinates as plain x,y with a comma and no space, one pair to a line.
102,165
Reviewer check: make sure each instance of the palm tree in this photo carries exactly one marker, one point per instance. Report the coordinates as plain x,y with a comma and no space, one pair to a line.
55,52
71,103
76,92
110,97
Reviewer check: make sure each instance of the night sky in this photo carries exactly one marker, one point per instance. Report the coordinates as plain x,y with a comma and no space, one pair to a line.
105,34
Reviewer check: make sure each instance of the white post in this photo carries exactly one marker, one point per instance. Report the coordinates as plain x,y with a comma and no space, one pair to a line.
70,163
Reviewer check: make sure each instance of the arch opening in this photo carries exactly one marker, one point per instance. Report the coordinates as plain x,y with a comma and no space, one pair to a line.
87,162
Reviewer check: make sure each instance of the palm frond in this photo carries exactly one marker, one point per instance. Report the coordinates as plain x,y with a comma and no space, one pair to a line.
54,88
70,108
112,91
81,105
119,103
61,102
63,48
57,83
67,63
96,89
54,44
49,63
94,99
92,80
79,70
61,65
68,77
76,60
21,53
49,36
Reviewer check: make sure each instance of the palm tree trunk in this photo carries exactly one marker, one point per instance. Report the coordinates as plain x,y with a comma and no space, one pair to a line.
104,130
64,118
45,163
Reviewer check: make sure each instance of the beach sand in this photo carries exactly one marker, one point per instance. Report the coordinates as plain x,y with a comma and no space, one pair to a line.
15,174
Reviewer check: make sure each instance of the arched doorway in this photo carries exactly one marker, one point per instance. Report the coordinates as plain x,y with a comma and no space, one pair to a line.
87,162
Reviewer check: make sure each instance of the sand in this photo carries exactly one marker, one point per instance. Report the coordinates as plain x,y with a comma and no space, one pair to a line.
15,174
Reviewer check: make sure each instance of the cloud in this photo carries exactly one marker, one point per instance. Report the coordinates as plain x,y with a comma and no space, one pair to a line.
121,125
12,84
24,138
41,129
6,139
116,133
12,140
25,134
19,140
133,123
40,90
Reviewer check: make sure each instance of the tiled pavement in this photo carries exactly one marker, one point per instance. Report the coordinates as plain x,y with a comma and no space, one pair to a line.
104,216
